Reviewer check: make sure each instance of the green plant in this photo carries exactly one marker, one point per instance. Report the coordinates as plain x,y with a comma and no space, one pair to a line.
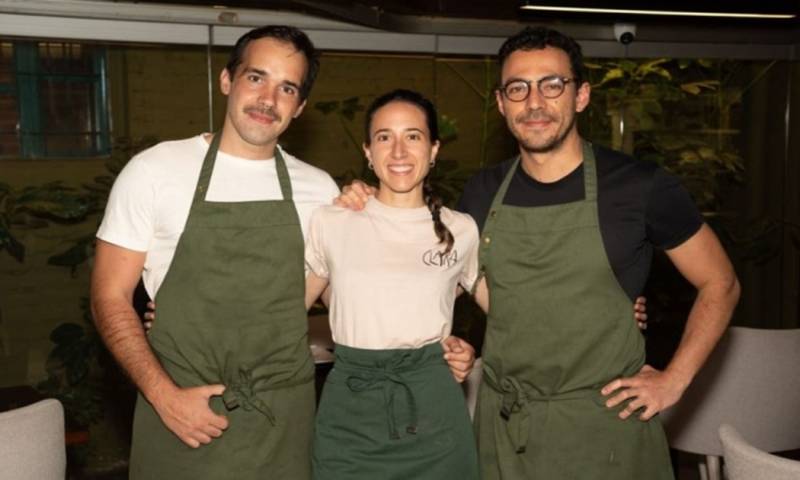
71,370
96,196
34,207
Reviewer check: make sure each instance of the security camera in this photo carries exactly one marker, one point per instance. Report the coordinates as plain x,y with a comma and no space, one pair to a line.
625,33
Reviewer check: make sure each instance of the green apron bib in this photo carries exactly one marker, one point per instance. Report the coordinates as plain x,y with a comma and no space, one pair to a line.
231,311
393,415
559,328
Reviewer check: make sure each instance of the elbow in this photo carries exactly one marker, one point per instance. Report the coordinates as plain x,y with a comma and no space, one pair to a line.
733,290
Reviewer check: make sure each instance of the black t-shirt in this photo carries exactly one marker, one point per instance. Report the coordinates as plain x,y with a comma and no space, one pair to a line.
641,207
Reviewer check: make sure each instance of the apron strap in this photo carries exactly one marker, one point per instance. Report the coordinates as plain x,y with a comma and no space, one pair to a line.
517,400
589,187
208,167
390,380
283,175
201,189
243,392
589,173
240,393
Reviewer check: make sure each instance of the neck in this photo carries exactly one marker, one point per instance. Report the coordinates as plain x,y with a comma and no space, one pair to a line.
233,144
552,166
412,199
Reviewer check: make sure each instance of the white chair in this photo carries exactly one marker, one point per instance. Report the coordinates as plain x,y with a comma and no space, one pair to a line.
470,386
745,462
749,382
32,442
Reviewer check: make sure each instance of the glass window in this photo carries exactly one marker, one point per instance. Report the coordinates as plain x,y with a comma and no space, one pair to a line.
53,100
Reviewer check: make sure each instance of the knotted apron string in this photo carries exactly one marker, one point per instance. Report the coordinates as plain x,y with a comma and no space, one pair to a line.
516,401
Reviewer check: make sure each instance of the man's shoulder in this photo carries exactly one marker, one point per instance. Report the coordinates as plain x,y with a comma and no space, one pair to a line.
171,154
312,184
619,166
488,179
305,169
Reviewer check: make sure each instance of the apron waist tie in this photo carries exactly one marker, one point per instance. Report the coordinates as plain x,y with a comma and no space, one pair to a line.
241,393
517,398
390,381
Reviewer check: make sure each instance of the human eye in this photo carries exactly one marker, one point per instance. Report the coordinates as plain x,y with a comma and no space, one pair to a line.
415,136
254,78
381,137
552,84
289,90
516,88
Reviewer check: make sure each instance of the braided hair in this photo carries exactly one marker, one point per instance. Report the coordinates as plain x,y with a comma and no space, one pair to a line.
433,201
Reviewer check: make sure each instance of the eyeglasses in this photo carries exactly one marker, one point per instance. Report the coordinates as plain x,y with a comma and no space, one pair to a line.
549,87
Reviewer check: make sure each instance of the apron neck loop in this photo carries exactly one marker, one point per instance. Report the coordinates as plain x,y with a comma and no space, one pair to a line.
589,172
283,174
205,171
208,168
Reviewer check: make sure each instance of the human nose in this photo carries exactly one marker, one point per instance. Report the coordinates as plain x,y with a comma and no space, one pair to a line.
535,99
268,95
398,149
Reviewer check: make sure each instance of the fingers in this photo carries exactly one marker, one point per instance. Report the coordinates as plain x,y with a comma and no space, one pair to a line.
354,196
611,387
619,398
631,407
453,344
459,374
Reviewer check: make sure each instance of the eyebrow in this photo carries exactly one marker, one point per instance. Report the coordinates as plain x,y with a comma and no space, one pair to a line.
414,129
263,73
520,79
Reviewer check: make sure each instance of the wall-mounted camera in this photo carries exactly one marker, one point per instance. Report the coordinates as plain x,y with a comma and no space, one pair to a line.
625,33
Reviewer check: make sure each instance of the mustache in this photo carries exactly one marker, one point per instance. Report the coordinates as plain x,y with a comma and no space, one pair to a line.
263,110
534,116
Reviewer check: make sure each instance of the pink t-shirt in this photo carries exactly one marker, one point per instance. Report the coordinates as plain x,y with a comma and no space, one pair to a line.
391,284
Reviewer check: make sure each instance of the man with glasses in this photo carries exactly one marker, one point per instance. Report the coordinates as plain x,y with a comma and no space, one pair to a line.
568,231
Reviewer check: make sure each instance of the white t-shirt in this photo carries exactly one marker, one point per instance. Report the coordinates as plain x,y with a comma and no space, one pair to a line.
391,286
150,200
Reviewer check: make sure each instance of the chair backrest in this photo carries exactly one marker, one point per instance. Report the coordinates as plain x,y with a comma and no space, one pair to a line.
745,462
750,382
32,442
471,385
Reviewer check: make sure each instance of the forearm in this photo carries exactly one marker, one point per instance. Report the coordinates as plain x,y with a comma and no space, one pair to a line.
708,319
122,331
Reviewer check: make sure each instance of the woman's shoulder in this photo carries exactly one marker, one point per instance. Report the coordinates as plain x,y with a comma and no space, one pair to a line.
459,223
332,214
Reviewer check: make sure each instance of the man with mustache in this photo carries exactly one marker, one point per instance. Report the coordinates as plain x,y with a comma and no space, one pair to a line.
568,231
214,226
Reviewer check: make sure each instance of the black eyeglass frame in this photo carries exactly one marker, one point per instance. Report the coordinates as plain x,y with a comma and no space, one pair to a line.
564,80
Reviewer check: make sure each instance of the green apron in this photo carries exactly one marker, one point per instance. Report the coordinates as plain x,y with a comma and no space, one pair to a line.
393,415
559,328
231,311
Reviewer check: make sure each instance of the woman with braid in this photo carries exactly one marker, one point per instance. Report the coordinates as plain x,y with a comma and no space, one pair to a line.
390,408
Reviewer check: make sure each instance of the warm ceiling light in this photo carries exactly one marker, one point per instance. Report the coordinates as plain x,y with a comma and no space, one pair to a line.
655,12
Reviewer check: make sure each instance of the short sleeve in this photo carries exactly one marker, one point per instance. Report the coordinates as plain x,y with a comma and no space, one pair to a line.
129,219
316,260
469,272
671,216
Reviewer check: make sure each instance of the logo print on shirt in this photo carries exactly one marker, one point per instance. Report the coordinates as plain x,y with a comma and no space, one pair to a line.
436,258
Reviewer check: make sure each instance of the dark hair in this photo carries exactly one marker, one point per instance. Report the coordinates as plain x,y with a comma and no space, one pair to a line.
433,201
291,35
537,38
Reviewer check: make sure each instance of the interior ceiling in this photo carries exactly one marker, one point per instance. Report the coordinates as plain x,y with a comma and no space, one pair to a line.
510,9
502,16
